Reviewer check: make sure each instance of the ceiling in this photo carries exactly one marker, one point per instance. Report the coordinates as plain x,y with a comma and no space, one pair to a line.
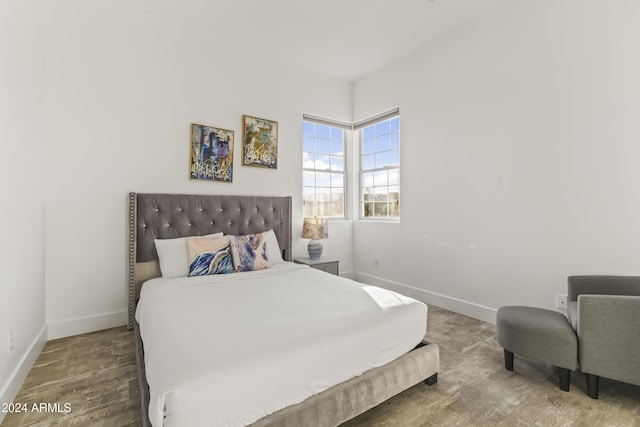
346,39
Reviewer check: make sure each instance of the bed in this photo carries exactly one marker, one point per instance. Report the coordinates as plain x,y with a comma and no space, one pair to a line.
269,365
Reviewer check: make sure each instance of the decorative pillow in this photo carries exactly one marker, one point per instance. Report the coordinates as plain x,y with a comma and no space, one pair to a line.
172,255
274,254
209,255
249,252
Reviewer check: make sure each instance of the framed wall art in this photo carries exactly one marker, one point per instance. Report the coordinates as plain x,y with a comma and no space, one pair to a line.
211,153
259,142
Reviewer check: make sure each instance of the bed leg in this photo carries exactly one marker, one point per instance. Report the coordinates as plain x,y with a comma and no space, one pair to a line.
431,380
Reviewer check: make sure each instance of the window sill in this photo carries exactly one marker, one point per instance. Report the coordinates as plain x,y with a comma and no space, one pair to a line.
380,220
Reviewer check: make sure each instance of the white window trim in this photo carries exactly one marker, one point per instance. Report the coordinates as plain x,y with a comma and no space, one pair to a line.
353,167
360,126
346,140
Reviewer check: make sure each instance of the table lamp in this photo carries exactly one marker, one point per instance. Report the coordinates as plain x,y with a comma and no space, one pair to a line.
315,229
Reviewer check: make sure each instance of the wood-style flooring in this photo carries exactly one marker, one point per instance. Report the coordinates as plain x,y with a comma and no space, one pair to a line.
96,374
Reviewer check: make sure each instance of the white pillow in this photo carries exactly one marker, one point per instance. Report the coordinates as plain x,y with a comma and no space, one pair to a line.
274,254
173,256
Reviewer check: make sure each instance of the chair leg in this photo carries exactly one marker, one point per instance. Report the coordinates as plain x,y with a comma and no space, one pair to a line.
593,385
508,360
564,378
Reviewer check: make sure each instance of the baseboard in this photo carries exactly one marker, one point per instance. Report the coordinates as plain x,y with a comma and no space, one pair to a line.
348,275
19,374
87,324
467,308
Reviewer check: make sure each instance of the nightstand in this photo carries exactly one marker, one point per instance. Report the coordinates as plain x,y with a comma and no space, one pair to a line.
324,264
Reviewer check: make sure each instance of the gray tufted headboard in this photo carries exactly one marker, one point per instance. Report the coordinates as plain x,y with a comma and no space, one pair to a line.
165,216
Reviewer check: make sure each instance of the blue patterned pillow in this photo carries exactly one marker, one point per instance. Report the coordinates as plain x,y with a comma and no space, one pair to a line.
249,252
209,255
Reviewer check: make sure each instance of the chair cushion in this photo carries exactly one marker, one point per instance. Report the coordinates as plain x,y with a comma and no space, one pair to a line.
539,334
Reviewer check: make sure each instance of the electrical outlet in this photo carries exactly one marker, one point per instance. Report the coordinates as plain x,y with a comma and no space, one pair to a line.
10,338
561,301
376,262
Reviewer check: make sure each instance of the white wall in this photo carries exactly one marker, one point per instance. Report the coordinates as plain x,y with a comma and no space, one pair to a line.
519,157
22,291
518,151
124,80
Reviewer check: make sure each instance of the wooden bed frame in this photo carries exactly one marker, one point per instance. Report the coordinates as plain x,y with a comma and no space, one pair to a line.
165,216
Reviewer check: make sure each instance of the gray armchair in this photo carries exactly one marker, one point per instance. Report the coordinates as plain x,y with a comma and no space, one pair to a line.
605,313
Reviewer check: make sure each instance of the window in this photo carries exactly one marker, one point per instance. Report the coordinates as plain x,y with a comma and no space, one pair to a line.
323,169
326,172
380,168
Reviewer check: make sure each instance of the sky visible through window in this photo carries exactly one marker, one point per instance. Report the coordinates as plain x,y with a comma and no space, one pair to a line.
323,157
380,170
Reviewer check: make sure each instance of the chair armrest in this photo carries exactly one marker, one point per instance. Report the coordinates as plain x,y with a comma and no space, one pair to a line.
609,336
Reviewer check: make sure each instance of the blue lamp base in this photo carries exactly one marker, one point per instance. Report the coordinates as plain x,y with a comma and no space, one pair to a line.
314,248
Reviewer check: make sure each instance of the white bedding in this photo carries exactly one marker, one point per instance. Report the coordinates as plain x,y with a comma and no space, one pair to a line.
227,350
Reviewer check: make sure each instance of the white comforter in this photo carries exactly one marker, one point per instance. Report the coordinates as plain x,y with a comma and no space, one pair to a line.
227,350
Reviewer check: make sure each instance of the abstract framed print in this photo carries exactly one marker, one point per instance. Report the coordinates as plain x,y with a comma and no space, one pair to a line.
259,142
211,153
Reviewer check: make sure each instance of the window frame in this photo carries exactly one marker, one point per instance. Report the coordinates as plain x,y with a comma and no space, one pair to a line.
353,195
343,127
390,167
